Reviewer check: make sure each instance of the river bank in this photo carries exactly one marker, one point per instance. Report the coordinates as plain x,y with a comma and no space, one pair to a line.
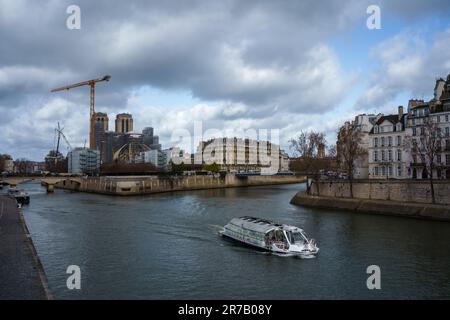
21,273
371,206
139,185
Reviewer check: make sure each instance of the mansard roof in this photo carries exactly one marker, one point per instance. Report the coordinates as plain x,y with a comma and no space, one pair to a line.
392,118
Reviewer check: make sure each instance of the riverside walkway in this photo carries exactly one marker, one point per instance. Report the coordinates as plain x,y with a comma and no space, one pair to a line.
21,274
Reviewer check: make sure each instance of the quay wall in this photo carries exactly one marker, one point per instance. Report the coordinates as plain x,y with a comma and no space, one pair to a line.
413,191
380,207
22,275
138,185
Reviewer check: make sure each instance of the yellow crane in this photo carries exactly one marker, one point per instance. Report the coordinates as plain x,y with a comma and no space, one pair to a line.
90,83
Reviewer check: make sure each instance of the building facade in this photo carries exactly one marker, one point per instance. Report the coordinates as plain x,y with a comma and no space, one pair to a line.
242,154
388,157
83,161
364,123
124,123
397,143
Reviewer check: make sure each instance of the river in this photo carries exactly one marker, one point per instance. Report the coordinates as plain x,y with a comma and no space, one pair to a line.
166,246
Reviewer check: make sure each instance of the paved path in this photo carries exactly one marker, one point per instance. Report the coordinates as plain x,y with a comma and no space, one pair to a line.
21,273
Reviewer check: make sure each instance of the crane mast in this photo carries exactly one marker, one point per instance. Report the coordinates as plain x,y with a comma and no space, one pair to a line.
90,83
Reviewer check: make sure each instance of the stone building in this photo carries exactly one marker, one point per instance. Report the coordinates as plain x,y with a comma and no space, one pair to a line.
364,123
389,142
438,111
388,157
124,123
237,154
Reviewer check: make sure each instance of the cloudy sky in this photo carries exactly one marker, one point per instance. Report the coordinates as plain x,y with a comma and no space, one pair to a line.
233,65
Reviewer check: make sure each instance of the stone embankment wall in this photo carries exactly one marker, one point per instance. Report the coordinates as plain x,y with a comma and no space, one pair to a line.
136,185
382,207
395,190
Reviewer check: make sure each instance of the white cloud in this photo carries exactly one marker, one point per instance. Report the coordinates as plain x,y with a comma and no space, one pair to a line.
408,64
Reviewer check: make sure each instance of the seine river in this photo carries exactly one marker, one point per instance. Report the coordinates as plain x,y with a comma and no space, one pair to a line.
166,246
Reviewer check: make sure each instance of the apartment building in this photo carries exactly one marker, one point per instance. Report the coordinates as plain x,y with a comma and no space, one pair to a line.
387,155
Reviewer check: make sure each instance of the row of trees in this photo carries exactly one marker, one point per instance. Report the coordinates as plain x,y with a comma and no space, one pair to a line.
22,166
122,168
313,155
312,161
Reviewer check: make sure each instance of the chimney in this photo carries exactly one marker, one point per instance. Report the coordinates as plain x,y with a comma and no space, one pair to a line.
400,112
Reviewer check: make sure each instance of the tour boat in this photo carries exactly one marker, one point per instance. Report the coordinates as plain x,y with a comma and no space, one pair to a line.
270,236
21,196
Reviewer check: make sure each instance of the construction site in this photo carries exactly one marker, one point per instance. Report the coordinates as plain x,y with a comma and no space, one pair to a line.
120,146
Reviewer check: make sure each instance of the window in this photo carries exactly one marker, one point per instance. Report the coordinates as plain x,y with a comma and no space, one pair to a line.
413,121
439,159
390,155
391,172
390,141
446,118
399,171
399,155
399,140
382,155
447,159
414,131
422,131
375,142
383,171
375,156
376,171
438,119
375,129
447,145
382,141
447,131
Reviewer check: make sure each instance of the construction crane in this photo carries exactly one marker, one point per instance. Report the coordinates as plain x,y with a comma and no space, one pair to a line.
61,134
58,132
91,83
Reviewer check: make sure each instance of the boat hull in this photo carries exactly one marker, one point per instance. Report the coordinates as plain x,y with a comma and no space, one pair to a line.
259,248
244,244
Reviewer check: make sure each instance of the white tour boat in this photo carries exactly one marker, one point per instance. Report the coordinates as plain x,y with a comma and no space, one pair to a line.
269,236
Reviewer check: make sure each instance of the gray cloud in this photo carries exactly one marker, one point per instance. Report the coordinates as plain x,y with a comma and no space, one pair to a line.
262,60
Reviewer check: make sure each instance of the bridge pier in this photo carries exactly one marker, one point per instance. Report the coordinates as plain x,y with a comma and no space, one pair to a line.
50,188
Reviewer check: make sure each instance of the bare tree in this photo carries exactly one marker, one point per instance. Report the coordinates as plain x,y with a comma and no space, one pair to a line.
331,151
426,149
349,149
23,166
2,162
307,147
301,145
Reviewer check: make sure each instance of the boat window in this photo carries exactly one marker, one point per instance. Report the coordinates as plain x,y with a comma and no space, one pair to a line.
289,237
298,237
